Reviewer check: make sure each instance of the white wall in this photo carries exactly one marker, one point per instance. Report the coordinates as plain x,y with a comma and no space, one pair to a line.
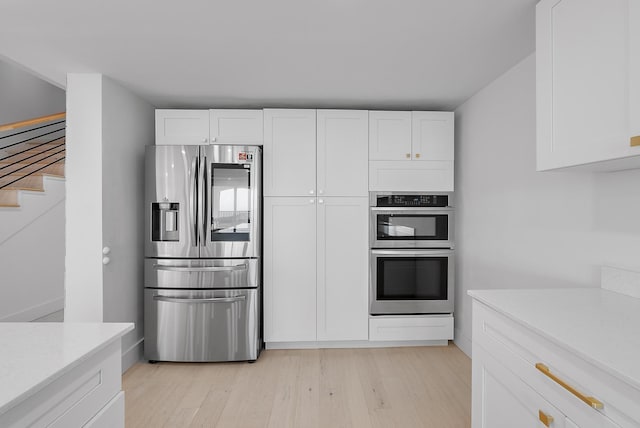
127,127
32,254
108,128
517,228
25,96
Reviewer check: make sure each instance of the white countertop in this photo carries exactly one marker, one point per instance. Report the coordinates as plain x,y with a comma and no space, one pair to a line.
32,355
601,326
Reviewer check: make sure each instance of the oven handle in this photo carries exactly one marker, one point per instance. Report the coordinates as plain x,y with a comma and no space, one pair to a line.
412,252
426,210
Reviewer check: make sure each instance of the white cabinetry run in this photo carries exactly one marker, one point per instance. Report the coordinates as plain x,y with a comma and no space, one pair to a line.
555,358
316,225
411,151
588,84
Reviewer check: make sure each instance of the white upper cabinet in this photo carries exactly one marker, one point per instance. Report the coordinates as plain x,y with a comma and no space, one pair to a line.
186,127
432,135
411,151
236,126
588,87
342,146
390,135
289,152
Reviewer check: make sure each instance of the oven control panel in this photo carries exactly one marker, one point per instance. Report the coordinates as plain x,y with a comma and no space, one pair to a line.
412,201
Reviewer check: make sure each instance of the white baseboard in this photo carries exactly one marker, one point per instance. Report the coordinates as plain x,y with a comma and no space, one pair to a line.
36,311
132,355
462,342
353,344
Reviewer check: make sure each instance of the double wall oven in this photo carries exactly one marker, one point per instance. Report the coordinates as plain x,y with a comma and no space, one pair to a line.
412,270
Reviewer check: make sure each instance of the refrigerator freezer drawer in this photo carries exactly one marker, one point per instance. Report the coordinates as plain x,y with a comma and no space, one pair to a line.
201,273
201,325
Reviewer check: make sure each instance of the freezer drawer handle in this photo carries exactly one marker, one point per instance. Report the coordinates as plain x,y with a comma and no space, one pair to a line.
201,269
210,300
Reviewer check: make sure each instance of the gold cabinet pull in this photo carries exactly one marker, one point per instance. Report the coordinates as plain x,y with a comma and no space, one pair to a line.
417,155
591,401
635,141
547,420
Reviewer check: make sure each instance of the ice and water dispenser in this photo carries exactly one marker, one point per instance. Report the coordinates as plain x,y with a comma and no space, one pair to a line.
164,221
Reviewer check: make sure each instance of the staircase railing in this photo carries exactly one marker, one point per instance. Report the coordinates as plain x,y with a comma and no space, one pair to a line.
30,147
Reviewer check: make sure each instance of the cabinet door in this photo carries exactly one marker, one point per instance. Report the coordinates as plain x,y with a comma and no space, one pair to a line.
289,152
502,400
432,135
184,127
289,269
343,250
389,135
585,81
236,126
342,152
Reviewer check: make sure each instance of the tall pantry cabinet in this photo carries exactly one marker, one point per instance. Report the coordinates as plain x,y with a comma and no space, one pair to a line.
316,225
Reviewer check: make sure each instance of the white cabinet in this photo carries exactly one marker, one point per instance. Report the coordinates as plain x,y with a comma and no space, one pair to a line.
307,154
289,155
289,269
518,375
411,151
187,127
390,135
315,265
588,84
342,269
505,401
219,126
236,126
342,147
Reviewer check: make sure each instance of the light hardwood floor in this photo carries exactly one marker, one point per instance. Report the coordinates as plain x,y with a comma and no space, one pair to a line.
382,387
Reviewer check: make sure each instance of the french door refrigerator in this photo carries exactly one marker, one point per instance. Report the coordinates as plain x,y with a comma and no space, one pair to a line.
202,274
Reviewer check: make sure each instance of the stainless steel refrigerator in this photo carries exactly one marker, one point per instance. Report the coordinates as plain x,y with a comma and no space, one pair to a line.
202,273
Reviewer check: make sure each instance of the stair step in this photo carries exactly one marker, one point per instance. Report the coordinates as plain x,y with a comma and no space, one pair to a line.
9,198
32,183
27,168
22,151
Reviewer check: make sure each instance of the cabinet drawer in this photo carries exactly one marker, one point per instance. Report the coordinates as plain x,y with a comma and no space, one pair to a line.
519,349
430,327
502,400
74,398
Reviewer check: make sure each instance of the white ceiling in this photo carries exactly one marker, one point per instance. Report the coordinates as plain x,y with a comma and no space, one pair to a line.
394,54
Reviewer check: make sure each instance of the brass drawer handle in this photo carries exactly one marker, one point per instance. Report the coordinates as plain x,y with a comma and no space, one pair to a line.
635,141
547,420
591,401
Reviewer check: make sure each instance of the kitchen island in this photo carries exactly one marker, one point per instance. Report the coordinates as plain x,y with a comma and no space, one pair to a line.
61,374
564,355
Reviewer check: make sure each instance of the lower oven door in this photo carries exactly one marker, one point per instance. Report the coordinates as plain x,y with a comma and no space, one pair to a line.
201,325
411,282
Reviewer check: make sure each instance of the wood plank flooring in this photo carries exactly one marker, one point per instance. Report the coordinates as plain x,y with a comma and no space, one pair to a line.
382,387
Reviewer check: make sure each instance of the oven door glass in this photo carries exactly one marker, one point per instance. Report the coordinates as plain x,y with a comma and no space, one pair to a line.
412,227
231,202
411,278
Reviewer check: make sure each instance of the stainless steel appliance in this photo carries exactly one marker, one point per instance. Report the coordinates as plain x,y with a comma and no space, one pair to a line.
412,257
203,253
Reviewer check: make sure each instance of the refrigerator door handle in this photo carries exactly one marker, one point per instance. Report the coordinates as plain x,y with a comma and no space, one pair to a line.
243,266
208,300
205,202
193,202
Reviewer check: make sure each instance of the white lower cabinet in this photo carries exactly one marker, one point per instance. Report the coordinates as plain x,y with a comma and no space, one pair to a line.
89,394
504,400
315,266
521,379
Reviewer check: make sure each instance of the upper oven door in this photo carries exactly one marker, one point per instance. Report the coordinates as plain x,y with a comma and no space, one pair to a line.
411,228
